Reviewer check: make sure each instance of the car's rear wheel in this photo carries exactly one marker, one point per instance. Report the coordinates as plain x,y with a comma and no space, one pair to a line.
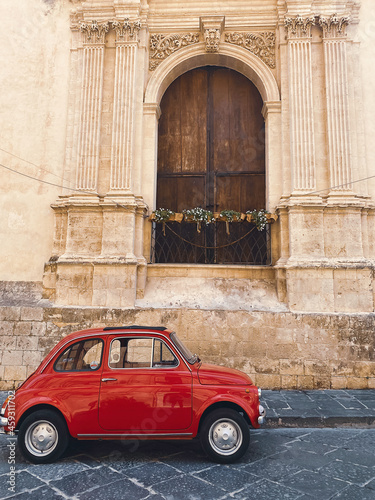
43,436
225,435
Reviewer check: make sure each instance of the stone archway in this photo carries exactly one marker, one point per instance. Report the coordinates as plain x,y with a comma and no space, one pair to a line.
231,57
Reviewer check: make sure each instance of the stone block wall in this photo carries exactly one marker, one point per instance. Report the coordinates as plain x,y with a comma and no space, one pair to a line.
278,350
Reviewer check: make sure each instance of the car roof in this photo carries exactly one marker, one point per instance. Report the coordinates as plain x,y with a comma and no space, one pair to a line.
136,329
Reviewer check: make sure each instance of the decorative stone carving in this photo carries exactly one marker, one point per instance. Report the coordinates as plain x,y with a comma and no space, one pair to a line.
94,32
334,26
162,46
126,31
261,44
212,39
212,27
299,27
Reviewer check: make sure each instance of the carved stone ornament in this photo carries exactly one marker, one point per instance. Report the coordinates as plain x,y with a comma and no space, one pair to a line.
212,39
211,28
261,44
299,27
126,31
334,26
162,46
94,32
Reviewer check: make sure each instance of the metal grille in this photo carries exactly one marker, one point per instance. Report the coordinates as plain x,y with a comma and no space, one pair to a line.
181,243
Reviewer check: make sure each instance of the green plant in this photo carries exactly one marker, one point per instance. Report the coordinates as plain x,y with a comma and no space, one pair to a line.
259,217
230,215
162,214
199,215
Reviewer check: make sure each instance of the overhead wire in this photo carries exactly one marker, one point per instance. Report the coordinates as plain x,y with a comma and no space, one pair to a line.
62,186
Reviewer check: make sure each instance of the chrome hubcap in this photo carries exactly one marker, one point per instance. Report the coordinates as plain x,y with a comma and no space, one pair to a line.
41,438
225,436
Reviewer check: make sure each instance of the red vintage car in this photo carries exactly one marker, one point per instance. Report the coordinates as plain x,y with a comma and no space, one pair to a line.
132,382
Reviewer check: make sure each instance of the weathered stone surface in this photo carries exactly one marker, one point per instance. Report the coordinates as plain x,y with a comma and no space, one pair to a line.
312,353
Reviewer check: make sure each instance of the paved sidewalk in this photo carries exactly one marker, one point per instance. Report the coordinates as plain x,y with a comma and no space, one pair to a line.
321,408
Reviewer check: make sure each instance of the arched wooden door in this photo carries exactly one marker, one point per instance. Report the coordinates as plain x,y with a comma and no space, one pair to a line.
211,149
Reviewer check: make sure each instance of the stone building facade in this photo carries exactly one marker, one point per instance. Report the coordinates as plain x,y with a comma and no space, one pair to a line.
81,161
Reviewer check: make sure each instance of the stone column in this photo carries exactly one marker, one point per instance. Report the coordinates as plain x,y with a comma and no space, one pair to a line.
91,104
123,111
301,104
337,95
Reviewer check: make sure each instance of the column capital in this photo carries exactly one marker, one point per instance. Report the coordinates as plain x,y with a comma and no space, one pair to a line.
298,26
127,30
94,32
334,26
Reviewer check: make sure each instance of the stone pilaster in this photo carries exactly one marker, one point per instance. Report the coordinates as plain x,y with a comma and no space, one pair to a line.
301,103
338,122
91,103
123,109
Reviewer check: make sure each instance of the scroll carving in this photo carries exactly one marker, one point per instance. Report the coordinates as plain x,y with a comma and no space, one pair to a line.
94,32
261,44
334,26
162,46
126,31
299,27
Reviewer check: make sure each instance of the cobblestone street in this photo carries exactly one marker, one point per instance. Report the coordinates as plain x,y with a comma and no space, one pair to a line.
280,464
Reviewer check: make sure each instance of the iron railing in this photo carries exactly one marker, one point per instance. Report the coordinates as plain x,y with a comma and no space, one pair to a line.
181,242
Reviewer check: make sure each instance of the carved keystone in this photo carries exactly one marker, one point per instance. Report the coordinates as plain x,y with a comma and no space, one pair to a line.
212,28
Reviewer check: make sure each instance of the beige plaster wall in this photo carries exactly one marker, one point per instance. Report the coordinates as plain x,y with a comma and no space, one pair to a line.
34,71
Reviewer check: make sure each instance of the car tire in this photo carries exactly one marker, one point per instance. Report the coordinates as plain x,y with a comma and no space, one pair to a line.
43,436
225,435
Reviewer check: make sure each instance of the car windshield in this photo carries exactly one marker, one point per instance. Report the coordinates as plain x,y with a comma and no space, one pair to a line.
187,354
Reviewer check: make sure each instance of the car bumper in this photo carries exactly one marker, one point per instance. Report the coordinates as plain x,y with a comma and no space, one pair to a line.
3,422
262,415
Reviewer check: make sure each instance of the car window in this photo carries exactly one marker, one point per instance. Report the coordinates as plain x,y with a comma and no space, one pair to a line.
163,356
140,353
85,355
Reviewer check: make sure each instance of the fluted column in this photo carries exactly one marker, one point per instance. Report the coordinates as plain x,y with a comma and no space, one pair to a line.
301,103
123,111
91,104
337,95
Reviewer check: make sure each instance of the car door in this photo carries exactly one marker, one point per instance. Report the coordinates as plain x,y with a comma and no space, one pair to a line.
74,382
145,387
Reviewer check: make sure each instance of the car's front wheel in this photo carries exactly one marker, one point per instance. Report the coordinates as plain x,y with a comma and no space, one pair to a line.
225,435
43,436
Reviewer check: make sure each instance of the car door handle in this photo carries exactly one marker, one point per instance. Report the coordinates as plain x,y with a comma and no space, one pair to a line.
109,379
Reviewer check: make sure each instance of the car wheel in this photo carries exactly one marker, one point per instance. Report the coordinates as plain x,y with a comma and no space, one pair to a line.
43,436
225,435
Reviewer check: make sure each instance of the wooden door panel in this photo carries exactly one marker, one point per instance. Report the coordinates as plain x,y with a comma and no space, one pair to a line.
182,145
237,125
193,105
240,192
180,193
